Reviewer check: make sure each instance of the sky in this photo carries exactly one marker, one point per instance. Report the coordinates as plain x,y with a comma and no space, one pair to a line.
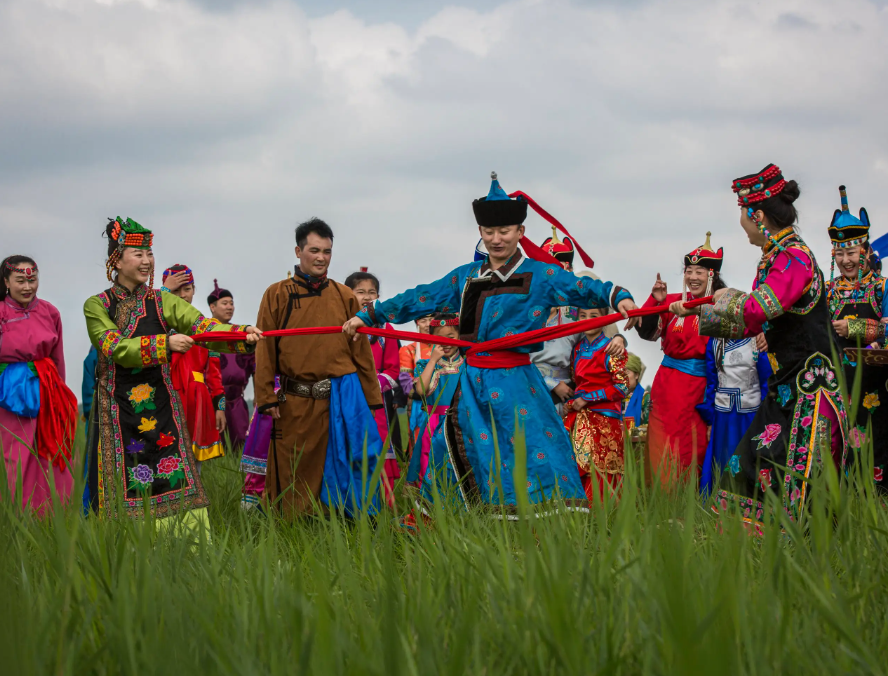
222,124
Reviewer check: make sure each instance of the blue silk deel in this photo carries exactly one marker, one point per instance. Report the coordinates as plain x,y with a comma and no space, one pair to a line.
352,429
20,390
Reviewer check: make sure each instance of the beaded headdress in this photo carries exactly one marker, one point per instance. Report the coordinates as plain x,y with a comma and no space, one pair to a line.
846,232
758,187
845,229
26,271
764,185
436,323
128,235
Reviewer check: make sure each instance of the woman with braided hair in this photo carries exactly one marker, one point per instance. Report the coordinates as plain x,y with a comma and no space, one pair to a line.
803,411
138,443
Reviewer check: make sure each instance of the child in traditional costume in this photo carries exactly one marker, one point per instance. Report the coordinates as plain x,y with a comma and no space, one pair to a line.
676,432
736,385
139,449
435,382
198,378
38,413
804,411
237,369
857,304
595,418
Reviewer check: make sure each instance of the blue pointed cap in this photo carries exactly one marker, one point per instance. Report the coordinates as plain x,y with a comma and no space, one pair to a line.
496,192
846,230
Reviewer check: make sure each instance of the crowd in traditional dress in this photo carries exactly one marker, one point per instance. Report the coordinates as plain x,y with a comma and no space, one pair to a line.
747,399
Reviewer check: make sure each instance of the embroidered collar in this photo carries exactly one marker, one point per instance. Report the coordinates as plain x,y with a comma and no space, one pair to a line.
504,271
122,293
312,281
844,283
600,342
18,307
780,238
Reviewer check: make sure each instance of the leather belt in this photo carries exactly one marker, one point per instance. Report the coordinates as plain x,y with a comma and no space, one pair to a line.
304,388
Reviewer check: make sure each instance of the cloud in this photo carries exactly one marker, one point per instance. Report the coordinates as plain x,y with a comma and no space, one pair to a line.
222,127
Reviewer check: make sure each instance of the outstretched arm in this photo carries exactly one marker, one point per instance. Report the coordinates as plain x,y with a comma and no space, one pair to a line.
442,295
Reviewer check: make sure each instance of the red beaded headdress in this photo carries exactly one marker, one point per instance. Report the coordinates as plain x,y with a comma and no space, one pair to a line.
129,234
27,272
758,187
436,323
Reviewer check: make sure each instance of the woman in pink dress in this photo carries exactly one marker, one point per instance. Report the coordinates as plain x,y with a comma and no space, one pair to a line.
38,413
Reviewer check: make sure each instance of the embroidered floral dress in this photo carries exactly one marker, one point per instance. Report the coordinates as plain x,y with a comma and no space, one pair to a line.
597,429
864,307
138,440
803,412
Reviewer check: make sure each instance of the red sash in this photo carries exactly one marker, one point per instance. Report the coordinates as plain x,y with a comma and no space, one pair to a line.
57,419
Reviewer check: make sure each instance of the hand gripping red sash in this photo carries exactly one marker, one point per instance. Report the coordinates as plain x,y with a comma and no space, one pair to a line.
57,418
500,351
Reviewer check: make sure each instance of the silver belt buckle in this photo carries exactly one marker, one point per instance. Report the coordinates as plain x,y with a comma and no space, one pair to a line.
303,390
321,389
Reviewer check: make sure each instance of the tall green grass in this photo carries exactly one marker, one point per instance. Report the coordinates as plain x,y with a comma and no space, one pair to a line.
654,583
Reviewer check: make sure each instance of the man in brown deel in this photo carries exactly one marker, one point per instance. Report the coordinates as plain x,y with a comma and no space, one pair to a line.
316,372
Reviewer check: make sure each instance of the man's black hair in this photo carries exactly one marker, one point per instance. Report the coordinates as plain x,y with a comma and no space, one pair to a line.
356,278
312,225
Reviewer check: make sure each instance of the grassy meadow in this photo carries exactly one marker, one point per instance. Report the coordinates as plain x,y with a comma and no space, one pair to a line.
652,584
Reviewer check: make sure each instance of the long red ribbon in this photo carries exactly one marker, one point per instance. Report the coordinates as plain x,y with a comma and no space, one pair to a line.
587,259
497,345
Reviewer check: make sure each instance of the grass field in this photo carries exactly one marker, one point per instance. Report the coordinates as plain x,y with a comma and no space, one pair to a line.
655,584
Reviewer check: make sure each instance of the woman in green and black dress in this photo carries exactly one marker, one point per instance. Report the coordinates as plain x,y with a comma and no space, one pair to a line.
138,443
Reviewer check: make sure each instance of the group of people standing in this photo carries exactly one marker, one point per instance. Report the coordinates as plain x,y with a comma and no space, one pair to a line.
747,397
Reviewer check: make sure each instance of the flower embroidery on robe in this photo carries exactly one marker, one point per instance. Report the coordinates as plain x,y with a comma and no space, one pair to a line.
141,475
135,446
871,401
165,440
773,361
170,468
784,394
734,466
768,436
142,398
878,473
148,424
764,479
858,437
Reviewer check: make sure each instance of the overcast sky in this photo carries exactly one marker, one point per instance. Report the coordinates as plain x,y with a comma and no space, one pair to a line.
221,124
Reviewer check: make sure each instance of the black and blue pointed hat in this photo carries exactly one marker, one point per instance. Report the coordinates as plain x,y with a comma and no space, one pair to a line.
846,230
498,209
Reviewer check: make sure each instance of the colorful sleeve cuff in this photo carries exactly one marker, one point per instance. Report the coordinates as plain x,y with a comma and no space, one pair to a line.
110,342
153,350
219,402
368,315
867,330
724,319
766,298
